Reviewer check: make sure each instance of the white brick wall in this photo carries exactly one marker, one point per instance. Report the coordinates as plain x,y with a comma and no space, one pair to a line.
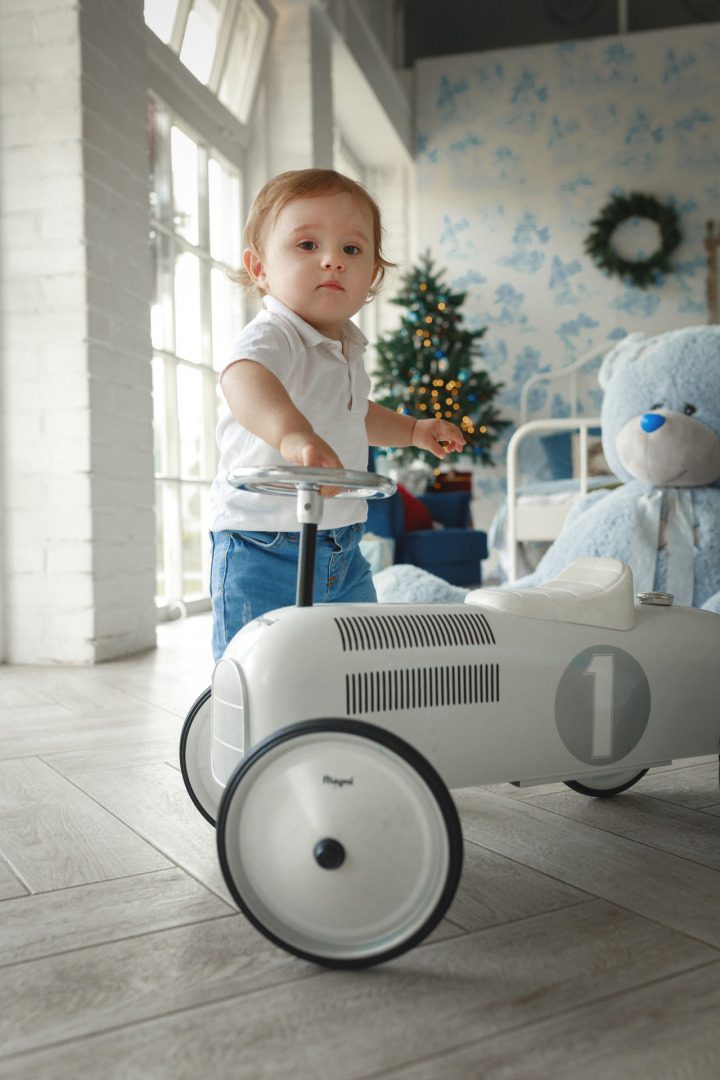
77,532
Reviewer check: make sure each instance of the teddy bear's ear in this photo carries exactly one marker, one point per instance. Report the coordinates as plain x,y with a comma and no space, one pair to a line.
626,349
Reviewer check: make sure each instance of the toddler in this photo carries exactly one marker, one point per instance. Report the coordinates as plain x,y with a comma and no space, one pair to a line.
297,392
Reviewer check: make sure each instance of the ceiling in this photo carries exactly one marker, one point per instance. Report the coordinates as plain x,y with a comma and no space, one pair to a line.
444,27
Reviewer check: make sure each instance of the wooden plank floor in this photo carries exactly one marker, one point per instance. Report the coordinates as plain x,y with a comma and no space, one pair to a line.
584,939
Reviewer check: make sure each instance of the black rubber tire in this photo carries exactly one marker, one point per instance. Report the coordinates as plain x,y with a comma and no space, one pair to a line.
197,705
604,793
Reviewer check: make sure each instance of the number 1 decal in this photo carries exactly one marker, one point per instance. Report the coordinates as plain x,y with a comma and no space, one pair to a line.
602,704
601,669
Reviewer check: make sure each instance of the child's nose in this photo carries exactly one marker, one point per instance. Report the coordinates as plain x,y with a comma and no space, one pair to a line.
333,260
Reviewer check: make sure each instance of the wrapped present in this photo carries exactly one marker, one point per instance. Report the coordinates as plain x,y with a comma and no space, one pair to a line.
451,481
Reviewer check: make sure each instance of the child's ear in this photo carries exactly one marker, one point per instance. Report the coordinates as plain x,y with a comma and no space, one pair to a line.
254,266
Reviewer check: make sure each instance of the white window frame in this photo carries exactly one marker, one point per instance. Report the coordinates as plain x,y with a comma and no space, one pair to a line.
195,109
172,484
260,16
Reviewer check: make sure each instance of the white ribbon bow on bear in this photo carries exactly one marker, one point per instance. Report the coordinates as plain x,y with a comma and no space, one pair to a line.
664,521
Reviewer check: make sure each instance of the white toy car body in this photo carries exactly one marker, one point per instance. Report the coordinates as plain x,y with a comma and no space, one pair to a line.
487,694
331,735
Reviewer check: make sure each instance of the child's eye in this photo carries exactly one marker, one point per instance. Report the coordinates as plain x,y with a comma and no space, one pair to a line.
307,245
351,249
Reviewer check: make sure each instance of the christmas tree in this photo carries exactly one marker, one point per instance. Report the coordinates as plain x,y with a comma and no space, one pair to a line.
427,367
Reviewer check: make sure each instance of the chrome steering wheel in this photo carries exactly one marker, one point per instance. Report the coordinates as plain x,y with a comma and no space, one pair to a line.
306,483
287,479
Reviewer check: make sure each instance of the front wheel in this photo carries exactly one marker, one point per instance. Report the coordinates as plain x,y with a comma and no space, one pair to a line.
607,784
340,842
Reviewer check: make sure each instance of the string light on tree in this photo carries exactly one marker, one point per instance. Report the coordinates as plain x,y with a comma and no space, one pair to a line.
429,366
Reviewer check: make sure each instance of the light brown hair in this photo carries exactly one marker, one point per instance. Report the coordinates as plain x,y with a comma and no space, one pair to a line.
306,184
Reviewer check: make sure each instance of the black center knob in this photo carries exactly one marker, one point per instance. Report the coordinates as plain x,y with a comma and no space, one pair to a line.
330,854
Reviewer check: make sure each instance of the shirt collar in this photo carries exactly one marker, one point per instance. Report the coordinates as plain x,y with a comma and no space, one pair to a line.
349,335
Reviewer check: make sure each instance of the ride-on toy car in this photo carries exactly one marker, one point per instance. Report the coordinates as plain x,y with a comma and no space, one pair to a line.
326,747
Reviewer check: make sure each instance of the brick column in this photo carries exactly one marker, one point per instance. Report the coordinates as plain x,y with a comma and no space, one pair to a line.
77,529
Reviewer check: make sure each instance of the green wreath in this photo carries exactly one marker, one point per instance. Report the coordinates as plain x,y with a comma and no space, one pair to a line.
640,272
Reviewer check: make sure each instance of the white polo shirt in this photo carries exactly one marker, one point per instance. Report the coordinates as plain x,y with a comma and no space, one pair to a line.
327,382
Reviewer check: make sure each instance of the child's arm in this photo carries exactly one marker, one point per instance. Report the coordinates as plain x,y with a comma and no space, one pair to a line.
260,402
387,428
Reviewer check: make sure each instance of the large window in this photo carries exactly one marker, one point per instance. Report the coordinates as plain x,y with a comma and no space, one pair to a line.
196,214
197,313
221,42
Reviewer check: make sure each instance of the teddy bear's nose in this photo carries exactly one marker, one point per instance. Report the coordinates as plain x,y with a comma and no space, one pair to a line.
651,421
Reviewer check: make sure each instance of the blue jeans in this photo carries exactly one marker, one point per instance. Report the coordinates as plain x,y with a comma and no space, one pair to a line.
255,572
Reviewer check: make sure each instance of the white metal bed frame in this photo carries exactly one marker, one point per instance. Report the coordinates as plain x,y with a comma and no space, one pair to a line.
546,522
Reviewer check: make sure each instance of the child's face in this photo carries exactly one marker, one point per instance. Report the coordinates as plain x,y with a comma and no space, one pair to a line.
318,259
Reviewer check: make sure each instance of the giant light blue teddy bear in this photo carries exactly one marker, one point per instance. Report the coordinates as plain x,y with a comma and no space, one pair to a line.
661,435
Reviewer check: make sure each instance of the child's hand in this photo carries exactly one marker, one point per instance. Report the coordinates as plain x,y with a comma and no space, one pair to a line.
308,449
430,434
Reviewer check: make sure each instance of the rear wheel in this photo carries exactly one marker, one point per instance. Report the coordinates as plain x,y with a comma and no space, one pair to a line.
196,758
340,842
607,784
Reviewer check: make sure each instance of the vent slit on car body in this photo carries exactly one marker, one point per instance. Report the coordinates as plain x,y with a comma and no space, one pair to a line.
384,633
443,686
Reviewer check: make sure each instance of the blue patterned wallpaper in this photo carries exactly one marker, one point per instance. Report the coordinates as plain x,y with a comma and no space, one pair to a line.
519,149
